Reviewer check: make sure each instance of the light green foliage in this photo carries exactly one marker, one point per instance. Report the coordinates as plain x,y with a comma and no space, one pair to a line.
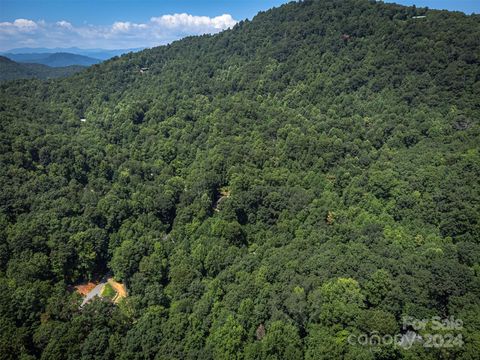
337,302
226,340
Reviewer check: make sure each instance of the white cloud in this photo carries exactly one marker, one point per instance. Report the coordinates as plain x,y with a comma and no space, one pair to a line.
194,23
20,25
121,34
120,26
25,24
64,24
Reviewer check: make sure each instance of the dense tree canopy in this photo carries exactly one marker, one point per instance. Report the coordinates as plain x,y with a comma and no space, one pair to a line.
264,193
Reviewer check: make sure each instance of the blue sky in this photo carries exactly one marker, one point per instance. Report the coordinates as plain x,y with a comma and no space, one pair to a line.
114,24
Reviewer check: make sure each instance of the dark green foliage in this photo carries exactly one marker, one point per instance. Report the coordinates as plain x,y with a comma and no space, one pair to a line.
264,193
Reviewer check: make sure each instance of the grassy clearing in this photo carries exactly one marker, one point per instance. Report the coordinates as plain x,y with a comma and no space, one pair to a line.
108,291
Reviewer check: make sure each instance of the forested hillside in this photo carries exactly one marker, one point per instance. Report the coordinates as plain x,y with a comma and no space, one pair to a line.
11,70
264,193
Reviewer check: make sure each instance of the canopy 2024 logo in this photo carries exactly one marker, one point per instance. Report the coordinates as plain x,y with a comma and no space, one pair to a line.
429,333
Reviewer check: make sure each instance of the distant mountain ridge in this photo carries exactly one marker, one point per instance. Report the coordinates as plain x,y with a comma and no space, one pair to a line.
11,70
102,54
60,59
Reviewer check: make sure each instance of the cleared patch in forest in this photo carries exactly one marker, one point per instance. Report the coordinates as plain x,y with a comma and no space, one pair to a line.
106,288
224,193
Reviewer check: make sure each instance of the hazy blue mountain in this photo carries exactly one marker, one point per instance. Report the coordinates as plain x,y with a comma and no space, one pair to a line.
102,54
55,59
11,70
